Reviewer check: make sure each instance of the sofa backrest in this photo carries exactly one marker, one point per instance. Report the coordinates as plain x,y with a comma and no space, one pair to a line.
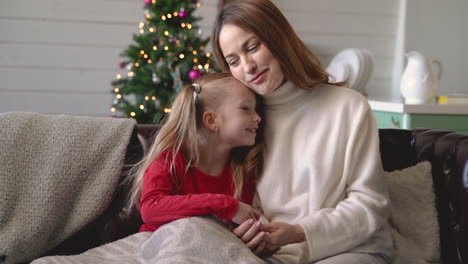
447,152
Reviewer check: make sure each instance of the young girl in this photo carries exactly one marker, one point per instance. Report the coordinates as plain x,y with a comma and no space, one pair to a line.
204,160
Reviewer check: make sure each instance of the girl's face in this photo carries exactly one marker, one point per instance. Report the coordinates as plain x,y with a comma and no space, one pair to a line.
249,60
237,119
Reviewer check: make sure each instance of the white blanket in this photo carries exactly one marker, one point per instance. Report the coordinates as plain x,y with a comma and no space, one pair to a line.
57,174
195,240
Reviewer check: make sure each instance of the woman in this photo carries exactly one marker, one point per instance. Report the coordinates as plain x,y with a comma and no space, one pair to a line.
322,188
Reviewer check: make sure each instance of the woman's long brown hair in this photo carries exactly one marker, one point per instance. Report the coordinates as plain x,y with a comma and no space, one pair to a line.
263,19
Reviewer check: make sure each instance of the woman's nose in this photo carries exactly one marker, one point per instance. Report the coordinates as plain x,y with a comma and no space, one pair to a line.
250,66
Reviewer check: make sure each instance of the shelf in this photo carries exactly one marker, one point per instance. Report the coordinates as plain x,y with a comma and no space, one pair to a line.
399,107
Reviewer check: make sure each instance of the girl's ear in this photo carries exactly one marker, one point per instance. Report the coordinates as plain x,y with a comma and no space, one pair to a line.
210,121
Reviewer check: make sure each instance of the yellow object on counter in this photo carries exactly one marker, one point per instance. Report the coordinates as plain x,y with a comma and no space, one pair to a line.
459,100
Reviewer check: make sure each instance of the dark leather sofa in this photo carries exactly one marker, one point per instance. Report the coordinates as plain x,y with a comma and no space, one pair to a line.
447,152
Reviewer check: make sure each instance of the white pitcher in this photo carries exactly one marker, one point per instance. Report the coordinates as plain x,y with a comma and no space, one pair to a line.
419,84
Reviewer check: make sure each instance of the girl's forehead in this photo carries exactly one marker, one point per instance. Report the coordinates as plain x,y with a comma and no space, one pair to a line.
240,91
234,84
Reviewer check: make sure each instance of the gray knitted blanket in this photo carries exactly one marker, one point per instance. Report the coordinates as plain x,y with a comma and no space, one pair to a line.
57,173
195,240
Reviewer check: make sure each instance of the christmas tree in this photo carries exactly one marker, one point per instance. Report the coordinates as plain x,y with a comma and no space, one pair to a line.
168,53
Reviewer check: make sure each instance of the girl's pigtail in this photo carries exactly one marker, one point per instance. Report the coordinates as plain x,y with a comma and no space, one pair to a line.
188,121
178,134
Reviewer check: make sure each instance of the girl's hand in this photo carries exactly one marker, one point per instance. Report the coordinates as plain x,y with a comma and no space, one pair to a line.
249,232
278,234
245,212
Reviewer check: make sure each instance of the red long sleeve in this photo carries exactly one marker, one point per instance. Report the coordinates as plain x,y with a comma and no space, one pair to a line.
200,194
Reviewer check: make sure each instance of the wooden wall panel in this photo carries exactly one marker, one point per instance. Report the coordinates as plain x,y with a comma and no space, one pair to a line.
59,56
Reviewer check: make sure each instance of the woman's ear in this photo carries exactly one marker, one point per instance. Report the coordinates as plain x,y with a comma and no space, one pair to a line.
210,121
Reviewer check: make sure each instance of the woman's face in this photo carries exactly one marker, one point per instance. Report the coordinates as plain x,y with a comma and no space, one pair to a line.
249,60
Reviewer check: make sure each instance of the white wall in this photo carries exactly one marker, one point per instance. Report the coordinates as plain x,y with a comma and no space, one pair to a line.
330,26
438,29
59,56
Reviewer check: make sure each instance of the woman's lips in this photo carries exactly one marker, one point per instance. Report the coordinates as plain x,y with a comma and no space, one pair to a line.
259,77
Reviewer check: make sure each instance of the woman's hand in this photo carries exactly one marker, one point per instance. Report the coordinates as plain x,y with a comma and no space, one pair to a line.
245,212
278,234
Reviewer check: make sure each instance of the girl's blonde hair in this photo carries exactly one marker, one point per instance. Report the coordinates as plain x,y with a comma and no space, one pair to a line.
180,133
263,19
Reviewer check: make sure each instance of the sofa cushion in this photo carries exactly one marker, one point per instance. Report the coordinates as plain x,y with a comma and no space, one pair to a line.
413,218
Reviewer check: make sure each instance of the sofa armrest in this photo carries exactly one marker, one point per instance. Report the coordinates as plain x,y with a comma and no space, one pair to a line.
114,223
448,154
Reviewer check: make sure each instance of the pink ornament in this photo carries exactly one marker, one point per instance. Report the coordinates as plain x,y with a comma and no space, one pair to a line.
121,65
147,2
182,14
194,74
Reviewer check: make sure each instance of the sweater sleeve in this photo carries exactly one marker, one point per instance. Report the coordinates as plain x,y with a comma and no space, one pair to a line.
158,204
365,207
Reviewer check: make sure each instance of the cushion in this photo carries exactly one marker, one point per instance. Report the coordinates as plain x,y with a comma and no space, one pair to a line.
413,218
58,173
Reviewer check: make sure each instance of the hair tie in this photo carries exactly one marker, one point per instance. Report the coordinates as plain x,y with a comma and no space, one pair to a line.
197,88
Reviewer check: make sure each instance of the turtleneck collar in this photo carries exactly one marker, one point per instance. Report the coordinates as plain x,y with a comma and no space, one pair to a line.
285,94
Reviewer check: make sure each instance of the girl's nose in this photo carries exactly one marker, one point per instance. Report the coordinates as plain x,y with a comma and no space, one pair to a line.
257,118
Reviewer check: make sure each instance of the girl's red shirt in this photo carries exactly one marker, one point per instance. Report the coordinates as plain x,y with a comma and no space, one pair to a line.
201,194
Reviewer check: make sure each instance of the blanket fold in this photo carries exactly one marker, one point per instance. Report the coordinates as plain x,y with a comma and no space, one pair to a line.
57,174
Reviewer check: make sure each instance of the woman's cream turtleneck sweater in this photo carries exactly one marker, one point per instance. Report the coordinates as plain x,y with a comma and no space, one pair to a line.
323,171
